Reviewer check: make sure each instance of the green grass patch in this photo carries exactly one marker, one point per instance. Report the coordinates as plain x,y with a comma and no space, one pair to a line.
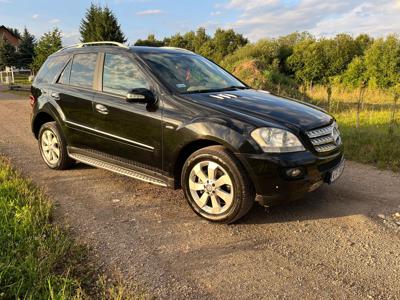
370,143
38,259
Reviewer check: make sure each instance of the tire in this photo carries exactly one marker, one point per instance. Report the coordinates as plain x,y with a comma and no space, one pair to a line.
53,147
209,192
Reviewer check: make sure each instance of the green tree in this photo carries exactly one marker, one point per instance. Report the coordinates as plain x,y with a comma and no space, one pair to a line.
26,50
356,77
226,42
363,41
49,43
8,55
151,41
383,68
308,62
100,24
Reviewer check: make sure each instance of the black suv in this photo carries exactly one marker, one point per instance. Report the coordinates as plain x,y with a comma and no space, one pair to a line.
173,118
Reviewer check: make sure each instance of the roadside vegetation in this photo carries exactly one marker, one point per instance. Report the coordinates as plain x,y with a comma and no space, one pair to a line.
356,78
38,259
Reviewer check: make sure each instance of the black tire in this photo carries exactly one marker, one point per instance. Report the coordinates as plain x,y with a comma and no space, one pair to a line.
63,161
243,191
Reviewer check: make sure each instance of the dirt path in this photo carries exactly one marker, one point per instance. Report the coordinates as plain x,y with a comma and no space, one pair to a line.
330,245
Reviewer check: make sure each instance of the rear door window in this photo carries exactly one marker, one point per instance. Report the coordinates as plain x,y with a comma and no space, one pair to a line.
51,68
82,70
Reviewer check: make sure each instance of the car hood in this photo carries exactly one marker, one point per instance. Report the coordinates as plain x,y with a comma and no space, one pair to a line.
265,107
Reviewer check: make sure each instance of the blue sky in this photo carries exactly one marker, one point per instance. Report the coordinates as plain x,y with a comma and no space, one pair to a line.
254,18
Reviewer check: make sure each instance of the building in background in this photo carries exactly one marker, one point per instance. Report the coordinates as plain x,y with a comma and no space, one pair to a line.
9,36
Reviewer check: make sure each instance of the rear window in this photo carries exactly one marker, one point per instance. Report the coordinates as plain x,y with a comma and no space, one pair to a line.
82,70
51,68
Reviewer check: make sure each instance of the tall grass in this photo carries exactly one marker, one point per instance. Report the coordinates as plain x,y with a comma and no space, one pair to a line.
38,260
34,254
370,143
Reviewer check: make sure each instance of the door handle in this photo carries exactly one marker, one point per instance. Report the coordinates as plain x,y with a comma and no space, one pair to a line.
101,109
55,96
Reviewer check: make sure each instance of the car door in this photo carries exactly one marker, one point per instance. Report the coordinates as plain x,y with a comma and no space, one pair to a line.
73,94
131,131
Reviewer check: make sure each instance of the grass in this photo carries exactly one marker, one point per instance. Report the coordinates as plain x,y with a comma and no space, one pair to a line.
38,259
371,143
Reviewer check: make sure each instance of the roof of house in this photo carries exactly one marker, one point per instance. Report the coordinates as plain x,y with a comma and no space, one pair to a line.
10,37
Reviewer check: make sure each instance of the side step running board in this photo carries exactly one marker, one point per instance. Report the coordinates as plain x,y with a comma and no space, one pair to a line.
115,168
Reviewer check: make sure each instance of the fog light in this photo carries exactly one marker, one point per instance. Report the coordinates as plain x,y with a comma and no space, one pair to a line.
295,172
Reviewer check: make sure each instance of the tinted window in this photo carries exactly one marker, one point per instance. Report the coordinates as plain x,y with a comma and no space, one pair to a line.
51,68
121,75
82,70
64,77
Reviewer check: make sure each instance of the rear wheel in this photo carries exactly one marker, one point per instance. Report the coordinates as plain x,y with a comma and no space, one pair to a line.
216,186
53,147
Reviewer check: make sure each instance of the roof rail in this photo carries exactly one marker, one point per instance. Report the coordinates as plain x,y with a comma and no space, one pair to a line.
81,45
176,48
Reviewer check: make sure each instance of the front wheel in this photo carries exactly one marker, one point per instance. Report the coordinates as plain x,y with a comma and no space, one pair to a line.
216,186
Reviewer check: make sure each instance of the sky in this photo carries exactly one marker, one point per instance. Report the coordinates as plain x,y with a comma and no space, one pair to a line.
255,19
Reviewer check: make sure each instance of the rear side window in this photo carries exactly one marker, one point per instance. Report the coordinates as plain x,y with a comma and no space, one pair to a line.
121,74
64,77
82,70
51,68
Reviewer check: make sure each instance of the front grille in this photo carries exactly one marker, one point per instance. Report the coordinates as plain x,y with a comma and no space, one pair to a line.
325,139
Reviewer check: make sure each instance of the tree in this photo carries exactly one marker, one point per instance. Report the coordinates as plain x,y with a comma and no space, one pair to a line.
383,68
7,54
26,50
356,77
363,41
226,42
151,41
100,24
49,43
308,62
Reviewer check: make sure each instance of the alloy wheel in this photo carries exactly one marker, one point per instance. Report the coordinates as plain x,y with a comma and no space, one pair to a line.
211,187
50,147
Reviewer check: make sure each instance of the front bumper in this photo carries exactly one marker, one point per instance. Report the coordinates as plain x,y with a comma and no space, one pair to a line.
273,186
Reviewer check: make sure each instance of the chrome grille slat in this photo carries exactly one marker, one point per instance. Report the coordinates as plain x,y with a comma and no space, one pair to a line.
322,141
325,139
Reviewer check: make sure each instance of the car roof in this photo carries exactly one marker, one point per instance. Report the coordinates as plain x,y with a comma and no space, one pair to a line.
82,48
146,49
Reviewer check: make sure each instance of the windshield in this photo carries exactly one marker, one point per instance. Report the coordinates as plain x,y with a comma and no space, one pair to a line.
189,73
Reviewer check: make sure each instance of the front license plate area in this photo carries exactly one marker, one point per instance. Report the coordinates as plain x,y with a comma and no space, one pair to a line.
337,172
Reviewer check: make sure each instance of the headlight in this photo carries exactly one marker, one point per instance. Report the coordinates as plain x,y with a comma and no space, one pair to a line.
275,140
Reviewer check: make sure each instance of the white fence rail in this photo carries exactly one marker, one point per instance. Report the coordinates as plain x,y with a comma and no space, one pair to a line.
13,76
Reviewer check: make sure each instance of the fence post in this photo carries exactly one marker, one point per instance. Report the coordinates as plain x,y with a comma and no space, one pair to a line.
12,75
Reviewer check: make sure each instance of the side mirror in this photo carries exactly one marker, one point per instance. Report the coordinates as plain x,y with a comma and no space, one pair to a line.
141,95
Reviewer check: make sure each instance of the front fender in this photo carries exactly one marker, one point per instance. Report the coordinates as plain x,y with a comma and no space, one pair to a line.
205,131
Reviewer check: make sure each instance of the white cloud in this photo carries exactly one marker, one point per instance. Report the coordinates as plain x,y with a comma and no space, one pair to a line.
216,13
54,21
271,18
149,12
35,16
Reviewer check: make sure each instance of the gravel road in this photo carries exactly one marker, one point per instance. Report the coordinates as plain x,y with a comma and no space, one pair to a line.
331,245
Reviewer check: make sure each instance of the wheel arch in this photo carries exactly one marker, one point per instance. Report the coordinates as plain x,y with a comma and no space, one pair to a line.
185,152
